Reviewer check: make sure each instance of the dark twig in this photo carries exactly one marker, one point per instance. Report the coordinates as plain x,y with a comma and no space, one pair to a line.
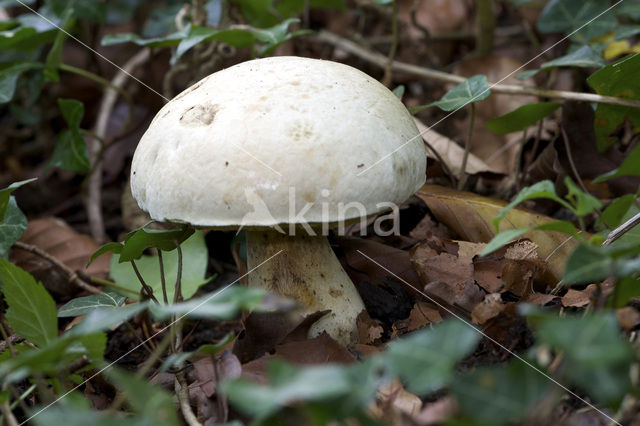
72,276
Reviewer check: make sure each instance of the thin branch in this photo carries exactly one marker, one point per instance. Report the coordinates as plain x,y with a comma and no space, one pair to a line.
182,392
388,71
71,274
96,148
462,179
622,229
427,73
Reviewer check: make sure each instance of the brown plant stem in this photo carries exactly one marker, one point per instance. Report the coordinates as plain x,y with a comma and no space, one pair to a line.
462,179
431,74
96,147
486,23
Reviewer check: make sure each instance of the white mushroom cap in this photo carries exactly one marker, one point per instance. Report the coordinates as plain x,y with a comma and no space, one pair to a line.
241,138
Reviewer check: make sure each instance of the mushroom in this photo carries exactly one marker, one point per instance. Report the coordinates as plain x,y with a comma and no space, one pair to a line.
285,148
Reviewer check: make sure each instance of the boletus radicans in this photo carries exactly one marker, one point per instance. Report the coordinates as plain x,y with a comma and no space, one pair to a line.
284,148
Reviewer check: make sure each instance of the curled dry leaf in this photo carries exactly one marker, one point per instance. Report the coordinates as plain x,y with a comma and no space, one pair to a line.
369,330
490,307
471,216
452,153
59,240
394,400
628,317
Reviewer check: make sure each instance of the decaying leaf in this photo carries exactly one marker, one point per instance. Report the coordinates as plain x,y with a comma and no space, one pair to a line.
57,239
452,153
471,215
369,330
490,307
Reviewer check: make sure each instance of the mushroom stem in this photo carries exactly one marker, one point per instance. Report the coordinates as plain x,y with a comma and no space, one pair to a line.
308,271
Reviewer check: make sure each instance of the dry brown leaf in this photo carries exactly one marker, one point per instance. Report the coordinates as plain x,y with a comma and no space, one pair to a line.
576,298
436,15
59,240
393,397
628,317
490,307
369,330
467,249
471,215
452,153
427,226
437,412
541,299
423,313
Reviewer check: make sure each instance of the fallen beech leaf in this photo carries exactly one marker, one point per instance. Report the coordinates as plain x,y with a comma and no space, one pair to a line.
264,330
427,226
59,240
628,317
471,216
452,153
541,299
393,395
467,249
228,367
576,298
437,412
369,330
489,308
422,314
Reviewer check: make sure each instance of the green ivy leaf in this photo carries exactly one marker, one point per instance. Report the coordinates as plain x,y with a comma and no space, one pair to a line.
581,57
616,79
71,151
472,90
6,193
614,213
222,305
11,228
54,57
568,15
136,242
584,203
426,359
629,167
597,358
521,118
84,305
92,10
32,311
9,78
194,262
543,189
626,289
500,394
288,384
151,402
101,319
509,235
588,264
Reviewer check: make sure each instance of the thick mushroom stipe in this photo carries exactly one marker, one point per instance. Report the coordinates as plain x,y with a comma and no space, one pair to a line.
307,271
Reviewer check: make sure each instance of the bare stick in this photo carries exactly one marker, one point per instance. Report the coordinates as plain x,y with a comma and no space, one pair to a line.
182,392
462,179
427,73
94,187
71,274
622,229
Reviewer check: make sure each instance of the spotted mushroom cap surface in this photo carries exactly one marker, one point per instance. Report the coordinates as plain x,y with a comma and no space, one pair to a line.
278,140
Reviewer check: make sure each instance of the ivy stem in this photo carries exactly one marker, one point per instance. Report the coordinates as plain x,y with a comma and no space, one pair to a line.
462,179
96,78
147,289
162,279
